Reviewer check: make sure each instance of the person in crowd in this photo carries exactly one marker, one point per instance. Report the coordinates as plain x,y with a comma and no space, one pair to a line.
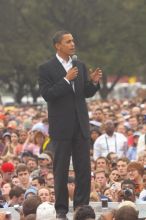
15,160
6,138
84,212
135,173
16,195
15,180
122,164
23,175
22,137
65,93
112,160
97,117
127,211
30,205
127,192
110,141
132,150
102,163
114,176
141,146
45,211
101,178
25,156
38,182
32,164
50,179
44,194
30,191
16,147
133,123
7,171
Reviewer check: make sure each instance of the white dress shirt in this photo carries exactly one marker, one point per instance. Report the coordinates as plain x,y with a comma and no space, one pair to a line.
141,145
67,65
104,144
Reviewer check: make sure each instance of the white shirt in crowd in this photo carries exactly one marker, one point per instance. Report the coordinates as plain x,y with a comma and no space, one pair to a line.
141,146
104,144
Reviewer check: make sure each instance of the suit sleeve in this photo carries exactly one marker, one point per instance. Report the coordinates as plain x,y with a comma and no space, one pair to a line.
50,89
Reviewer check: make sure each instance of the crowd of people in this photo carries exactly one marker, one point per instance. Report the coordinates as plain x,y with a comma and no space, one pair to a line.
117,151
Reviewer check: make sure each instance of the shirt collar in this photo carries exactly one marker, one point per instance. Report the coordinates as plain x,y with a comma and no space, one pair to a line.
114,135
62,60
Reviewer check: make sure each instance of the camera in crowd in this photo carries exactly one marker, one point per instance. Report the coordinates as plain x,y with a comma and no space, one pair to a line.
127,192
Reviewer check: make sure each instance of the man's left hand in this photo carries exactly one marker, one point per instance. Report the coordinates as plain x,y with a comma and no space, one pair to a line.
96,75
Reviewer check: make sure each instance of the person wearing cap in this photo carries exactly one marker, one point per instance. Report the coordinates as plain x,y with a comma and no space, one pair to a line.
132,150
45,211
31,191
44,160
7,169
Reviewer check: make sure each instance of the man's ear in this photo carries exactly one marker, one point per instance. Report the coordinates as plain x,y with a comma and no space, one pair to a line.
57,46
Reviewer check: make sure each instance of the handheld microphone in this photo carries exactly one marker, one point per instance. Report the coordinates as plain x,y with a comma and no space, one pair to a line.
74,60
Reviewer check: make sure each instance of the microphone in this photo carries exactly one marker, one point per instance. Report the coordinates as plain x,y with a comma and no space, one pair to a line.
74,60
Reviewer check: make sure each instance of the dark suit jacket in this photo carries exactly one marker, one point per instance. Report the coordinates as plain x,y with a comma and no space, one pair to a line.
63,102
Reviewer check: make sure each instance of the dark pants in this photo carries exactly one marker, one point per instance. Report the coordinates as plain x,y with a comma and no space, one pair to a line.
79,148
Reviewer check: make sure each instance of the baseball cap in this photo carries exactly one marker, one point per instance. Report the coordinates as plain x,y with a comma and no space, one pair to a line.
45,211
44,156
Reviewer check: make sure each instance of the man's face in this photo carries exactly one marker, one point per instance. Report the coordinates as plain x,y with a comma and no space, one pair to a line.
22,136
122,168
44,194
36,184
50,179
23,177
114,175
101,179
32,165
43,162
133,174
66,47
109,128
101,163
16,181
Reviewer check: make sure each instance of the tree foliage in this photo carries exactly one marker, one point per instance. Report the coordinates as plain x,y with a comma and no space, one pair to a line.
109,34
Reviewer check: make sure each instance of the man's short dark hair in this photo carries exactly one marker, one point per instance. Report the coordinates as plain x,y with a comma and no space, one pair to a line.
40,179
16,191
126,212
58,36
21,168
84,212
30,205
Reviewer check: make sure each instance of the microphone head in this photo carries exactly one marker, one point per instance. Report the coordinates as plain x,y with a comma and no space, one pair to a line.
74,58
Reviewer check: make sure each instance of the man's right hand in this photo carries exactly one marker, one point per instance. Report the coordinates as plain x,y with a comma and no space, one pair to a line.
72,74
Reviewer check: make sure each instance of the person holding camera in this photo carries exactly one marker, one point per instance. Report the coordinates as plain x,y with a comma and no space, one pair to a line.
127,192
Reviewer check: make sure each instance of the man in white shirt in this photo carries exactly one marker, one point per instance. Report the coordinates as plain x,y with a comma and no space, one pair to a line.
110,141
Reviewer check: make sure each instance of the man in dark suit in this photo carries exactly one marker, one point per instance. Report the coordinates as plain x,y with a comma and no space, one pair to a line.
64,86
